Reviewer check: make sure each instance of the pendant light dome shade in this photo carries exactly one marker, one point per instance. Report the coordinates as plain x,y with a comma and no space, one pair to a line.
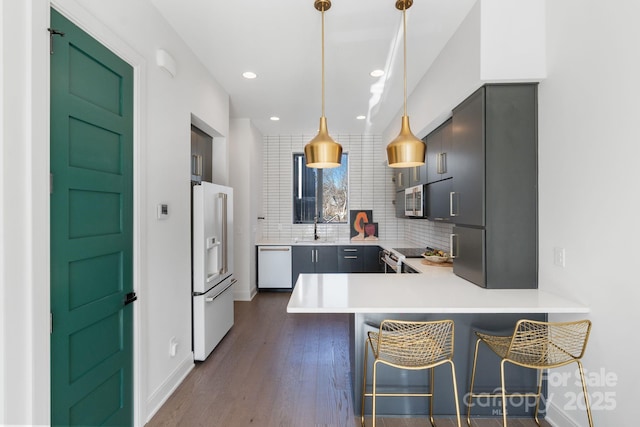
405,150
322,151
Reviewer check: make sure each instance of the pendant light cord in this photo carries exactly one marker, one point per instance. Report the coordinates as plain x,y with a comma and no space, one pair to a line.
323,62
404,39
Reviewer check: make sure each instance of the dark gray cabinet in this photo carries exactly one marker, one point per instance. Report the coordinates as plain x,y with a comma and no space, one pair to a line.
373,259
359,259
350,259
335,259
417,175
438,200
313,259
439,145
399,204
494,196
201,155
400,178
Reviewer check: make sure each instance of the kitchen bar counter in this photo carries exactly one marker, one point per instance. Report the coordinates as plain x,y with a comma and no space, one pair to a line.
435,290
434,294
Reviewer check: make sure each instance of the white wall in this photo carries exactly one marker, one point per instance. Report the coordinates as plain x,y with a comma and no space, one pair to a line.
498,41
245,163
24,175
589,198
164,106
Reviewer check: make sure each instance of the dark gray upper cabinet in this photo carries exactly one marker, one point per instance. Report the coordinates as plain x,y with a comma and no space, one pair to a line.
468,165
417,175
201,155
437,195
494,166
439,144
400,178
399,204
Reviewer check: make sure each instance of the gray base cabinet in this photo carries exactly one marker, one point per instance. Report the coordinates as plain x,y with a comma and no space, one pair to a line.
313,259
494,169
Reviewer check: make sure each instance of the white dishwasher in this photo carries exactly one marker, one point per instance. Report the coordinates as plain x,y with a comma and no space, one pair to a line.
274,267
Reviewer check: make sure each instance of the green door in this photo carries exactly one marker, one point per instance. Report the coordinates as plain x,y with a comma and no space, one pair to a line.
91,231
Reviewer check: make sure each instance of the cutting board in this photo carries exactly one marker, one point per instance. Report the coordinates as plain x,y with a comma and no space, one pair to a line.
437,264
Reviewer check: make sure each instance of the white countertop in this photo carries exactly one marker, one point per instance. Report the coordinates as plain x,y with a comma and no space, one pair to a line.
436,290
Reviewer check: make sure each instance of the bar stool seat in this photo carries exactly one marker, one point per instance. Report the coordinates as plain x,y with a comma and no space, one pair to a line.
410,345
535,345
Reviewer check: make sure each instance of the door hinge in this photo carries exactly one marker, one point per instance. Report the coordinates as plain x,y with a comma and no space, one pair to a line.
53,32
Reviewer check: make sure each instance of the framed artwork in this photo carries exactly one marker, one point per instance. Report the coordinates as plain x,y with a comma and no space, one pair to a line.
371,231
358,219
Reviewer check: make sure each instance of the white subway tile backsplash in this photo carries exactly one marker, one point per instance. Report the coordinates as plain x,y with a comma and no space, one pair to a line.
370,187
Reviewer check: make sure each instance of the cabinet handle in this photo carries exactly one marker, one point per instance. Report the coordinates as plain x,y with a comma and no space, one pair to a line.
350,250
438,163
400,183
443,163
316,251
451,236
451,213
350,257
416,173
274,249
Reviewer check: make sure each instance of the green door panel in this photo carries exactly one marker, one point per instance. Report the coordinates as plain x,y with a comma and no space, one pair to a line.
91,231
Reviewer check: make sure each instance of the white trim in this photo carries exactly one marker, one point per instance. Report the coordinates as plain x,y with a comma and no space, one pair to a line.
168,386
92,26
558,418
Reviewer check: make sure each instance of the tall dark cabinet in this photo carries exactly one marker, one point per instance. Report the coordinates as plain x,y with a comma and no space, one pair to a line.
494,189
201,155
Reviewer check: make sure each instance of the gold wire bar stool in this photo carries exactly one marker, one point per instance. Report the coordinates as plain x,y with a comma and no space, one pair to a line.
410,345
535,345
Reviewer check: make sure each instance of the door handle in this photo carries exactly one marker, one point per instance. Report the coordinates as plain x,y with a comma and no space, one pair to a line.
131,297
451,236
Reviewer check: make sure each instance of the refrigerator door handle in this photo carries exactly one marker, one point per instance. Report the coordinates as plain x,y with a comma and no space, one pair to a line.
225,267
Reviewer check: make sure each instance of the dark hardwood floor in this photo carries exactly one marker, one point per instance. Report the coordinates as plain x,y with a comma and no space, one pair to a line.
279,369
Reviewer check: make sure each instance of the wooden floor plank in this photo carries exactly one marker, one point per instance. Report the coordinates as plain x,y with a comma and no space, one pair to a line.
275,369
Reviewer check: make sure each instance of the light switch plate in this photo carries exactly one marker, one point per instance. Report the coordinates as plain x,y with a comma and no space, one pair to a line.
163,211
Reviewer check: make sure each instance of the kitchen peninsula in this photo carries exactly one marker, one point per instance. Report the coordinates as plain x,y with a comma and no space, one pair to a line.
434,294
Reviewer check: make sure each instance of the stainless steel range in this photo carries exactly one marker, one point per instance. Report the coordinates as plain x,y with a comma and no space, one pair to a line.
394,259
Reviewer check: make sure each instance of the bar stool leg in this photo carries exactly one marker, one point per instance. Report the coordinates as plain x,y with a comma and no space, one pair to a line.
586,395
504,394
431,390
473,378
455,392
373,394
538,395
364,381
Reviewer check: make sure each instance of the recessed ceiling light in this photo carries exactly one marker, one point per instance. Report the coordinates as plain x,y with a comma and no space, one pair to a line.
361,117
274,118
249,75
377,73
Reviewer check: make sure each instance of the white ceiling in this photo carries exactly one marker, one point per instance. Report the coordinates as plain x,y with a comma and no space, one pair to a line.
280,40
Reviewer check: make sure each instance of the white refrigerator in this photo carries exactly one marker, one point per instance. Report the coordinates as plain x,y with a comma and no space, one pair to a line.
212,258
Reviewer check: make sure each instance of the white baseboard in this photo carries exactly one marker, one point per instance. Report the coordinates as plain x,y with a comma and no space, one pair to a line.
244,295
168,386
558,418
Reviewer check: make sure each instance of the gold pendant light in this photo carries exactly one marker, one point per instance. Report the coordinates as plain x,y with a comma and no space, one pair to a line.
406,150
322,151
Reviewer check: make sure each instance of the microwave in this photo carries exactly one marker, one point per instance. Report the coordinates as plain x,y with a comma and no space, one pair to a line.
414,201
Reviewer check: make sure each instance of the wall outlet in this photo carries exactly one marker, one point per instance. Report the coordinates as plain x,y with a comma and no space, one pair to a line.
559,256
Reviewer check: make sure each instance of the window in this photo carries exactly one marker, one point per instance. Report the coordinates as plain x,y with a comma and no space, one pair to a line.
324,191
